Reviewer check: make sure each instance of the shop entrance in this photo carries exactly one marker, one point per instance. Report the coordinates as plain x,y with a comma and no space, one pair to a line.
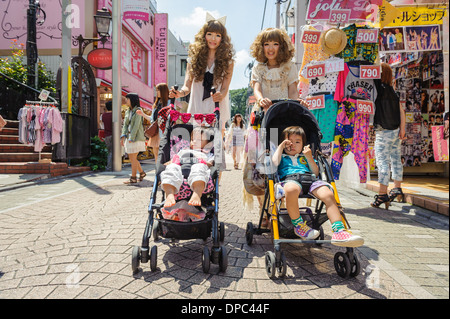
84,92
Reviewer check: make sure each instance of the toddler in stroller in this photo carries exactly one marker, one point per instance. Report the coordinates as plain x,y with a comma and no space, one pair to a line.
187,170
295,164
201,159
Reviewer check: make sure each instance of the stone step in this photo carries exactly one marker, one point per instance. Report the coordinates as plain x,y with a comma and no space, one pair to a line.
21,148
23,157
10,131
52,169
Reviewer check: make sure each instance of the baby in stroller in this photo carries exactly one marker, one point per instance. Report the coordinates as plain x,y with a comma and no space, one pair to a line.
295,164
201,157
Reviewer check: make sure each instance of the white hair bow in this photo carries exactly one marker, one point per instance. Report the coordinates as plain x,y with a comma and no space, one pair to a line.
209,17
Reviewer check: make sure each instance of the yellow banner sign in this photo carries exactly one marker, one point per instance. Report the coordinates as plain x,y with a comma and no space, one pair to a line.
411,16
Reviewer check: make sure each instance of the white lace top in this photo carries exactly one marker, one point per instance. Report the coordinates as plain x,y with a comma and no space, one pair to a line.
198,106
275,82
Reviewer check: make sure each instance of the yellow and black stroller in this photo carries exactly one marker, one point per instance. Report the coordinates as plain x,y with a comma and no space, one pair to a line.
280,115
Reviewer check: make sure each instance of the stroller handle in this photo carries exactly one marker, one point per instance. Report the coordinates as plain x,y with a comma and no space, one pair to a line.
216,109
172,100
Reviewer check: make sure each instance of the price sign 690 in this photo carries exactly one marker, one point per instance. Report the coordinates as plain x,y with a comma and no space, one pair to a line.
313,71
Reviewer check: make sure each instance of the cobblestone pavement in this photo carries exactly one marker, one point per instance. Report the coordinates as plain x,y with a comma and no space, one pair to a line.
77,242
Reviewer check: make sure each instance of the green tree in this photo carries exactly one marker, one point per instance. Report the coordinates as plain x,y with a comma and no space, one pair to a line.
15,67
238,101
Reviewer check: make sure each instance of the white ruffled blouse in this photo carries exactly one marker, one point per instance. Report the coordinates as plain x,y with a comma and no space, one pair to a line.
275,82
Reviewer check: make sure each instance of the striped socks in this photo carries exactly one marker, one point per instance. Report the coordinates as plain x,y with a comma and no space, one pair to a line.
337,226
297,221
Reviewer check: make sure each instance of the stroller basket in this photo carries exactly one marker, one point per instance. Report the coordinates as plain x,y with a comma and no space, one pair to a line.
185,230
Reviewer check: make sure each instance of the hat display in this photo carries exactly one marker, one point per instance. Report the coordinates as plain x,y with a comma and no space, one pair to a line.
333,41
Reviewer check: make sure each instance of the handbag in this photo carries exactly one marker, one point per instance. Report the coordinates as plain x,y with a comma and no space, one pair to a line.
152,130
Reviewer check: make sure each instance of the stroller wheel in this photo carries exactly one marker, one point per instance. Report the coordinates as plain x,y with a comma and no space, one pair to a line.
355,266
155,230
223,259
206,260
222,231
282,266
135,259
270,264
153,258
249,233
342,264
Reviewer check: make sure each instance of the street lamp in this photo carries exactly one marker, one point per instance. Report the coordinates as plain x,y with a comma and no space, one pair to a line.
103,22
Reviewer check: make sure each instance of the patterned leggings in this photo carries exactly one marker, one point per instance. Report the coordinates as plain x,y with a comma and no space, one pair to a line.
351,134
388,150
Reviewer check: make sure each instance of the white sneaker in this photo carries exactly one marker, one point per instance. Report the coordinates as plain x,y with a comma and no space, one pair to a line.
279,191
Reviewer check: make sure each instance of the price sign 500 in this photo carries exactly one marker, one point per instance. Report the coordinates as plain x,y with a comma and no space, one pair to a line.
314,71
316,102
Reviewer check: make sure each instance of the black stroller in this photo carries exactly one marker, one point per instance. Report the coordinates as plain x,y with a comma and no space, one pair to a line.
158,226
280,115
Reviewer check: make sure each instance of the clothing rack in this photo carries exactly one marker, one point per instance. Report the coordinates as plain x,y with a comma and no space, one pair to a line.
42,104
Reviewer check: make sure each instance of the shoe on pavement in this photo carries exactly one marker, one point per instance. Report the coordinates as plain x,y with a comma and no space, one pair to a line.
344,238
305,232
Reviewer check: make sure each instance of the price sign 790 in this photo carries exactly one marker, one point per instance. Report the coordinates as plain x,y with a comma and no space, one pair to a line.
313,71
370,72
316,102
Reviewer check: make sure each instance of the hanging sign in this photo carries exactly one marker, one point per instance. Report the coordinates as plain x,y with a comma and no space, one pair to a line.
339,16
440,145
313,71
311,37
369,72
321,9
100,58
408,16
161,47
316,102
136,9
364,107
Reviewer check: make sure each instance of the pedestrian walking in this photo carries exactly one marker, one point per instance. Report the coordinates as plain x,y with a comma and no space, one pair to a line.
133,138
389,124
162,100
106,119
235,137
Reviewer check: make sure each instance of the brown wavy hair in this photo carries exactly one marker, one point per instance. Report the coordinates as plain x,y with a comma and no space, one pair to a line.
164,99
198,52
285,54
386,74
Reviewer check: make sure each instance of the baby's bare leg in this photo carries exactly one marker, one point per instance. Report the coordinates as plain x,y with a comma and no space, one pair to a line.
197,189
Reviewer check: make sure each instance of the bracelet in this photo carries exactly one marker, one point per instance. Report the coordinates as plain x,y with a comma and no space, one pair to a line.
184,93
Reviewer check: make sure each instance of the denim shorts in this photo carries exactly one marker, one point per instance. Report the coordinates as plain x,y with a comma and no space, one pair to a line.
314,185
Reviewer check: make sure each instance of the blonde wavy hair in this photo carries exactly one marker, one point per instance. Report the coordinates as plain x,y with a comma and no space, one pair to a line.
198,53
286,50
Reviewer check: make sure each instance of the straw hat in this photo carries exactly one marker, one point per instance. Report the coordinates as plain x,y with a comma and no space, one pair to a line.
333,41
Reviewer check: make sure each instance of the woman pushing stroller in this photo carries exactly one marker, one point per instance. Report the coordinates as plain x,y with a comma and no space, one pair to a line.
294,159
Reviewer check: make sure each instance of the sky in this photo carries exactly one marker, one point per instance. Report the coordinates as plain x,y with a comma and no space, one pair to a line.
244,19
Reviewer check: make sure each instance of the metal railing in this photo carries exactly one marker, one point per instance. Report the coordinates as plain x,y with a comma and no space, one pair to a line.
13,96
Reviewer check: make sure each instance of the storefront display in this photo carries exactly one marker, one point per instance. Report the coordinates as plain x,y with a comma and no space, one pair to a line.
342,96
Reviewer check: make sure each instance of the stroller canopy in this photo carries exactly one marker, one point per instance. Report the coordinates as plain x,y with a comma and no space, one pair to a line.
287,113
